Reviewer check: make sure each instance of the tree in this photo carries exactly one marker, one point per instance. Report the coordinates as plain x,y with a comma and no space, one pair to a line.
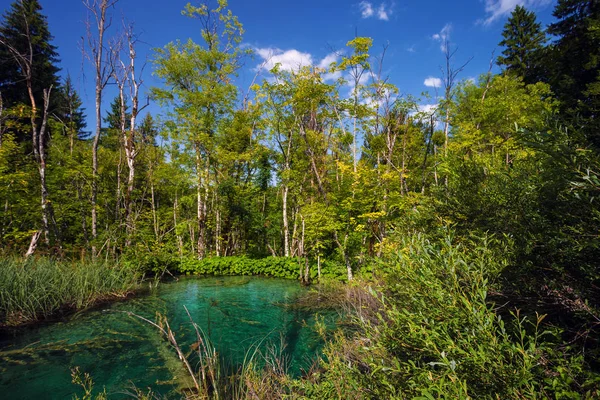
575,57
198,87
70,113
24,29
450,73
523,42
358,66
490,124
128,78
102,69
23,56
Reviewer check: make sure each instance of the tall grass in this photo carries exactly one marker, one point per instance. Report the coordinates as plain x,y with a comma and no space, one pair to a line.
35,289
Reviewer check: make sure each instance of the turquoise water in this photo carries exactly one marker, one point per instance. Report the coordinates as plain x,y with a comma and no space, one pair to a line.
120,351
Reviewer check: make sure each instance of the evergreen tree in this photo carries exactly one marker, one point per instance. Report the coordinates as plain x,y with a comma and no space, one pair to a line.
111,133
148,130
523,42
576,62
23,23
69,110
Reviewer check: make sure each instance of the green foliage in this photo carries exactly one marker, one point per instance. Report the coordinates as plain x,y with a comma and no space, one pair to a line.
281,172
430,331
488,115
277,267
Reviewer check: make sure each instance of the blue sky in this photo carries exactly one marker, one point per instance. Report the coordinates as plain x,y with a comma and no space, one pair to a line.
309,31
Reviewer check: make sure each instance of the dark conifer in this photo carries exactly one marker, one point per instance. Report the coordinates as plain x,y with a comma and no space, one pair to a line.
575,58
523,42
23,19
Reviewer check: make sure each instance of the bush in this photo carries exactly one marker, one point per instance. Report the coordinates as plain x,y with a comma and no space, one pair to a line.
277,267
434,334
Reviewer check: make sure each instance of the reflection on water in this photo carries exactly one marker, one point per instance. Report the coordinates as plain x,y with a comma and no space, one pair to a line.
120,351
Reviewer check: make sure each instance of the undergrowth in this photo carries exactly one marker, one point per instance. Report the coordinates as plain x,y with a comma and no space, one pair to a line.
429,331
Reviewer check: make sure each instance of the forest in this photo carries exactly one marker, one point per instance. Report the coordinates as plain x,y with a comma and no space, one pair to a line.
459,242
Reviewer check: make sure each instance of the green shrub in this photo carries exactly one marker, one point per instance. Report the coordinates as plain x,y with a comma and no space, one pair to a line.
153,260
277,267
434,334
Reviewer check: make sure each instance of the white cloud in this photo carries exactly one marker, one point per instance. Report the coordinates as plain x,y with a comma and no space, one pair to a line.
292,60
385,100
428,108
433,82
366,9
424,111
289,59
362,80
332,76
325,63
328,60
382,13
443,37
411,49
350,82
496,9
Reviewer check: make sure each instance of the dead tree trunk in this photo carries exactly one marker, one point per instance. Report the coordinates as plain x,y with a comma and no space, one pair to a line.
130,150
102,75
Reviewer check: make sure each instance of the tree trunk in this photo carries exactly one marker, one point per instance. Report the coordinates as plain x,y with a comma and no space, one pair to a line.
217,230
154,216
179,238
118,190
99,79
129,198
201,208
98,9
342,247
33,244
319,266
130,148
39,150
286,226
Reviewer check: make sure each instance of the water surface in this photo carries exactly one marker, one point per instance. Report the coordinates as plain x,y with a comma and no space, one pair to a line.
120,351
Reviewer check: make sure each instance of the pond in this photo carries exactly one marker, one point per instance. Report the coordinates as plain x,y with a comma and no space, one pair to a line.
119,350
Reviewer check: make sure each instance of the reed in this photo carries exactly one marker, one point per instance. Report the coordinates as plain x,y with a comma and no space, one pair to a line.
262,374
37,289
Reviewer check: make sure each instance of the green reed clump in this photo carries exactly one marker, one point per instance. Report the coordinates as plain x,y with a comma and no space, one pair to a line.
37,288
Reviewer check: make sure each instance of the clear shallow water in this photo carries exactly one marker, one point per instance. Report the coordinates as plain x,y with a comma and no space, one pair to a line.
119,351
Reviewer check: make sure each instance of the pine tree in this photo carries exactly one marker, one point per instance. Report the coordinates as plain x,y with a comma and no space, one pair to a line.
523,40
23,19
111,133
148,131
576,61
69,110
